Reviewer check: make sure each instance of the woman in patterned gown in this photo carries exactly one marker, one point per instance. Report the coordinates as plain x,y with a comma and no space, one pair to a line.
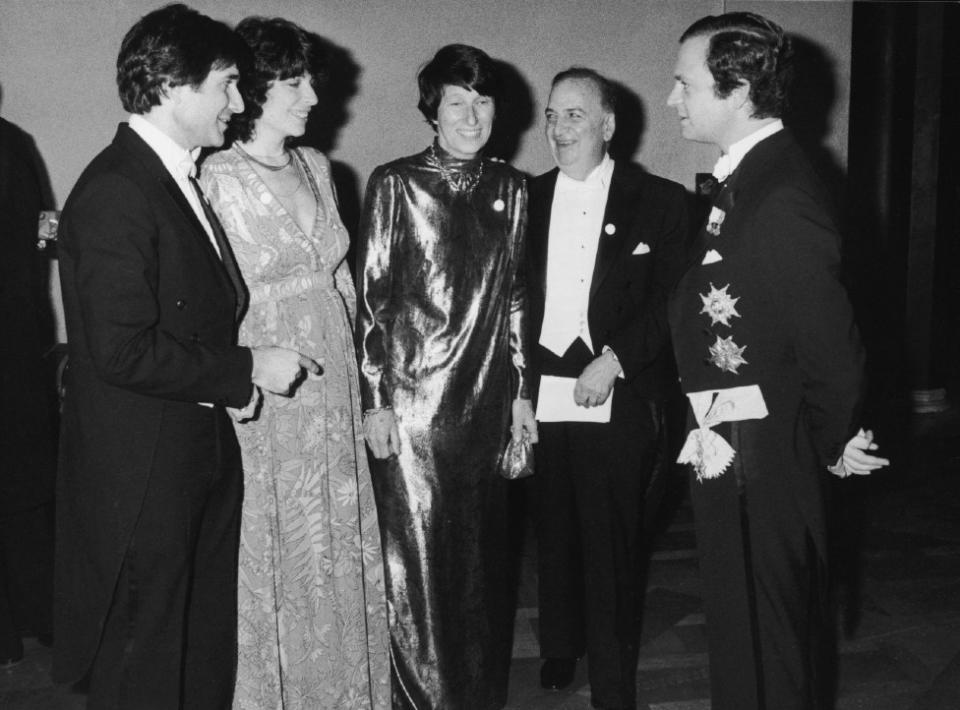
441,334
312,615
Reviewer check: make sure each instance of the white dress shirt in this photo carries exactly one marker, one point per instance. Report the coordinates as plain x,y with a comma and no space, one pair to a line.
178,162
576,228
729,161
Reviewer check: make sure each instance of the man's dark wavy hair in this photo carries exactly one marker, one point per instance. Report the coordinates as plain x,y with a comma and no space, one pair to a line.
456,65
280,50
175,45
746,47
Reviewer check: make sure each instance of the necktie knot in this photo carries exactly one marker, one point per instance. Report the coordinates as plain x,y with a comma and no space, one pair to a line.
188,168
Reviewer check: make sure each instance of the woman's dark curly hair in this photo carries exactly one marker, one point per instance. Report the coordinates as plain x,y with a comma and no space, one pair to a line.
456,65
745,47
281,50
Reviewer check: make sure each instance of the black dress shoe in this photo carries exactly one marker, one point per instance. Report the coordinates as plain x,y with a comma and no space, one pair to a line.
557,673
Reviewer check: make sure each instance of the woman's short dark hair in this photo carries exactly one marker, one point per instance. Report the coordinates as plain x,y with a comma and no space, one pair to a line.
456,65
748,47
174,45
280,50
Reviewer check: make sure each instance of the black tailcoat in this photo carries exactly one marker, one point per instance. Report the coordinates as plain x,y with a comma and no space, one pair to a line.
593,480
761,525
151,323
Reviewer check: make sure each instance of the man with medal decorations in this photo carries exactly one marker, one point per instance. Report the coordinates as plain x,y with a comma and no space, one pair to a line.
771,362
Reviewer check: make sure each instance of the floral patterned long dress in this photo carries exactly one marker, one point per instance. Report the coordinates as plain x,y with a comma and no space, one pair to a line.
312,615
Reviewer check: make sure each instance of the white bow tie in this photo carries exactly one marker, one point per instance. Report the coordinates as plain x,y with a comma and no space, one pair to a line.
722,170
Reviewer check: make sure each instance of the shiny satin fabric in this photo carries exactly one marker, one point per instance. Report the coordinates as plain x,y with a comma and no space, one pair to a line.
440,325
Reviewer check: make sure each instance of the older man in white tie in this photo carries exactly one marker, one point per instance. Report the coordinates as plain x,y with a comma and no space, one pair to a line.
605,245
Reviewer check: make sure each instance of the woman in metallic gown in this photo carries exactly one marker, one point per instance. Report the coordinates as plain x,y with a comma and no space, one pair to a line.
441,337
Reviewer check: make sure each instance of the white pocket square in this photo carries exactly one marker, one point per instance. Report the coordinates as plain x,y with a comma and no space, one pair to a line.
711,257
642,248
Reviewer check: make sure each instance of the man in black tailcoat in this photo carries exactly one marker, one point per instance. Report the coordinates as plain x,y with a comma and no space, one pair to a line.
150,482
605,245
771,362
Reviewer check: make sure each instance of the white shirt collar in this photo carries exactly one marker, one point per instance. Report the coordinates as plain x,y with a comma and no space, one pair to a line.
598,178
729,161
178,161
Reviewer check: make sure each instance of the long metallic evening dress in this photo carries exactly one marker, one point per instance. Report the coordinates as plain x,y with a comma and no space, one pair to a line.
312,614
440,326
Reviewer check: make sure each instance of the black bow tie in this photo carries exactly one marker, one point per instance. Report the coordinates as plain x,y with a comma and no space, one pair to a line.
711,187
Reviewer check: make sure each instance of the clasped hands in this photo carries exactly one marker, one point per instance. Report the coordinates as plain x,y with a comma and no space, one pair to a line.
382,432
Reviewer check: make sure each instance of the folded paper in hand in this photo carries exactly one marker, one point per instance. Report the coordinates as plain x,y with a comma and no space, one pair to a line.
555,403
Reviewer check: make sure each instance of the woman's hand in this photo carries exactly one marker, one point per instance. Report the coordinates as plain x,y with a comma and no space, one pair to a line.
523,420
382,433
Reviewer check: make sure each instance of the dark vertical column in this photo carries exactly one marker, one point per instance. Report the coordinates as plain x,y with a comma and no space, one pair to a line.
924,173
878,188
897,231
946,305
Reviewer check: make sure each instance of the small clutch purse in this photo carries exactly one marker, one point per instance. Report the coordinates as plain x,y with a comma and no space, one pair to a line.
517,459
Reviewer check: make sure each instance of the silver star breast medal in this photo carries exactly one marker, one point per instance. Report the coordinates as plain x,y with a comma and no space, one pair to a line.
719,305
726,355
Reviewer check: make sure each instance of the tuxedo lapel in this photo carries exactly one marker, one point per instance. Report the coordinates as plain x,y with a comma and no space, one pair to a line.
739,180
176,194
224,263
225,267
620,198
226,256
540,211
724,201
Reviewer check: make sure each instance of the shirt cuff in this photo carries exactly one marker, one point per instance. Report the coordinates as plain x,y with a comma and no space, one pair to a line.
838,469
608,349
